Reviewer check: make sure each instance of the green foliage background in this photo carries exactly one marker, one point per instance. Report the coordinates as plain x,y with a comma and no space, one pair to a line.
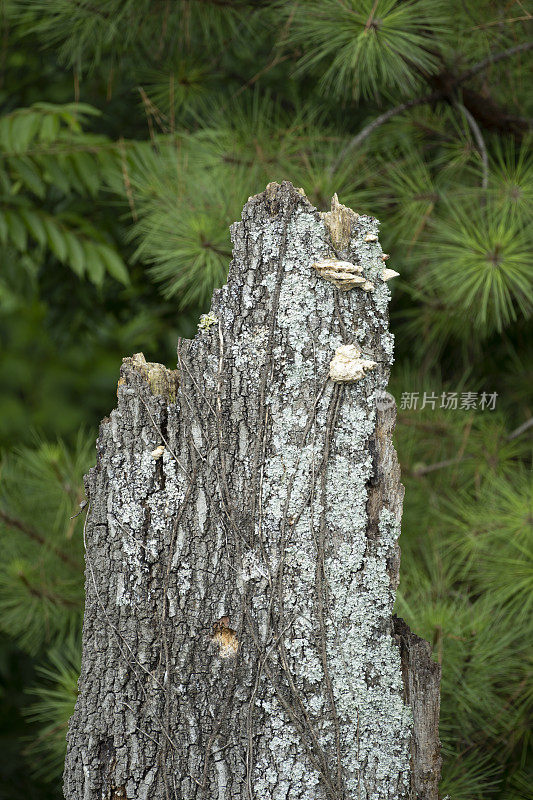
131,134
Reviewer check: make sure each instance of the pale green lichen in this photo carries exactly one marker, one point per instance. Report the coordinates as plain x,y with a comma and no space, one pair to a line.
207,321
360,649
363,662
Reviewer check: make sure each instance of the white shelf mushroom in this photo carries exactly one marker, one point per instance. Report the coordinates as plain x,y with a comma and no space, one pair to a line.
347,364
342,274
387,274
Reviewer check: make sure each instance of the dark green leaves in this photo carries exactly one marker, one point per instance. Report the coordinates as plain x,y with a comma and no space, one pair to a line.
44,155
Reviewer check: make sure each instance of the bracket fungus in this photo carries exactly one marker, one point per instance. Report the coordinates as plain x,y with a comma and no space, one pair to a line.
347,364
342,274
387,274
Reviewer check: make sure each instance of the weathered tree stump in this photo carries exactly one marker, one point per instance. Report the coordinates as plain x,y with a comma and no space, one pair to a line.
241,544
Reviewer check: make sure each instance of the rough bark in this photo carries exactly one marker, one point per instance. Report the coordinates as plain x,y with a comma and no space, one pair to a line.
241,547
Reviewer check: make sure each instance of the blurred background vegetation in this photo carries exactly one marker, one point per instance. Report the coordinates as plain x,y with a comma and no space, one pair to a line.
131,134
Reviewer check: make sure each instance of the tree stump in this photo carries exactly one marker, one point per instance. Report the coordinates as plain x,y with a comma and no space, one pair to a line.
242,544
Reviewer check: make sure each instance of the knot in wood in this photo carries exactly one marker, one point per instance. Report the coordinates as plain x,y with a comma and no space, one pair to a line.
225,637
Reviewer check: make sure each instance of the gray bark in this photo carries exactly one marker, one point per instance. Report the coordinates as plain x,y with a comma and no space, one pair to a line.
241,547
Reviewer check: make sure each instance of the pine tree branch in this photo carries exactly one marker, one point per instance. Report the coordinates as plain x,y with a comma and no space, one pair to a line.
392,112
500,22
480,143
46,594
23,527
427,468
83,6
449,462
440,94
493,59
521,429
